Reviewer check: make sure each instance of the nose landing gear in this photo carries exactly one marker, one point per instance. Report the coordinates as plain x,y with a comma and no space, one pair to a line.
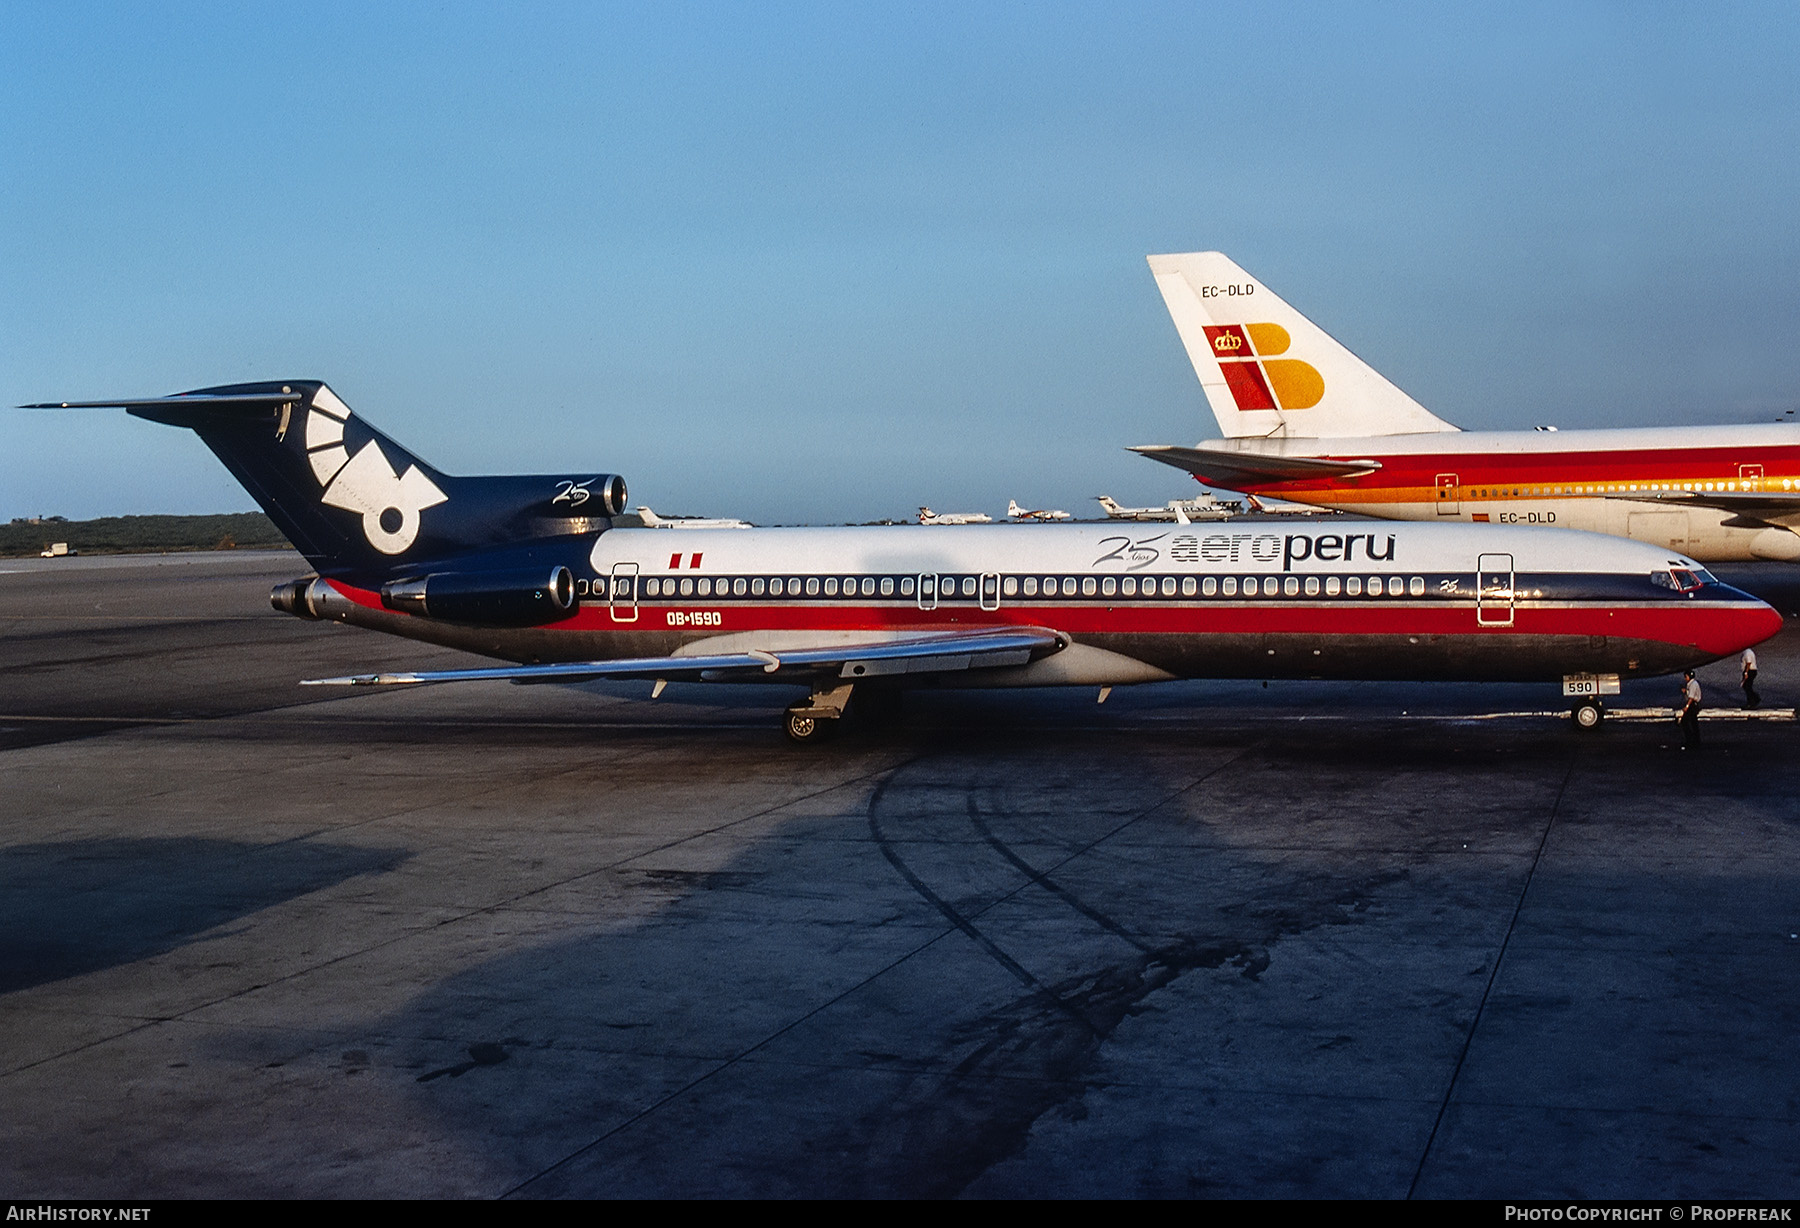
1588,714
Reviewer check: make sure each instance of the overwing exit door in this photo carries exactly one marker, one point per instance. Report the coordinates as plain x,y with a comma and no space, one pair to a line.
622,598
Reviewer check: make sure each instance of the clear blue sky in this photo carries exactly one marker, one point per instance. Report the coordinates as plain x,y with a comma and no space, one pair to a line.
819,263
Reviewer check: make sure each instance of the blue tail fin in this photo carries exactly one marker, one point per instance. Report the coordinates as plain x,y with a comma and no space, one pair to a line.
353,500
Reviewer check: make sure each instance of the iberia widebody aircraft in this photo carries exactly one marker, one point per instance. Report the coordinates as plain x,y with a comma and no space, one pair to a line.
1306,420
531,570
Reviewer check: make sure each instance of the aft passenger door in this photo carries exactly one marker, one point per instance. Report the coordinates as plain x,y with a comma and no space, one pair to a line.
1494,590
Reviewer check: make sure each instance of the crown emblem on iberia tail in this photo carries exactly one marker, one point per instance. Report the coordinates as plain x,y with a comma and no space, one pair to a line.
1257,378
388,502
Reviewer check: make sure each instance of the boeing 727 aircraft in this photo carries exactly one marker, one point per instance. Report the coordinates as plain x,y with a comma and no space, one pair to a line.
531,570
1306,420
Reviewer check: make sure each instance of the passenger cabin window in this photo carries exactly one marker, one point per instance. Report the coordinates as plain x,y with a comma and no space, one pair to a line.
1031,586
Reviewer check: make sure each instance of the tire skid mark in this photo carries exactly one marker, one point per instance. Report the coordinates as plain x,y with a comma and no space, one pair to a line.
1036,1054
979,823
949,911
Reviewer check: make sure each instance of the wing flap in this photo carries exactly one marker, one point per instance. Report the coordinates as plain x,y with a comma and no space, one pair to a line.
936,652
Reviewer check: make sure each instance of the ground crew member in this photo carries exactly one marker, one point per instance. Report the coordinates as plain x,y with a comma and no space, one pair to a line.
1690,711
1751,698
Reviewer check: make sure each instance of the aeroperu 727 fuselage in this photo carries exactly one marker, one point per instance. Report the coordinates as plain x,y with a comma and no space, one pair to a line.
534,570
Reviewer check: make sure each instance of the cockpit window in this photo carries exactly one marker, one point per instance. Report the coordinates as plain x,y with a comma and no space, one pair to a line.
1681,579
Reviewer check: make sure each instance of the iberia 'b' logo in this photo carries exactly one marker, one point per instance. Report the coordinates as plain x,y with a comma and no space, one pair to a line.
1258,379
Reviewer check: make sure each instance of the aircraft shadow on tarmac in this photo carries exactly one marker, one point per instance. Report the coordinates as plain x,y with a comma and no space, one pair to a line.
897,997
79,906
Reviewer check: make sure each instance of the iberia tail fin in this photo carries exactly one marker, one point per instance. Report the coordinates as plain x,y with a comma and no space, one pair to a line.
1268,370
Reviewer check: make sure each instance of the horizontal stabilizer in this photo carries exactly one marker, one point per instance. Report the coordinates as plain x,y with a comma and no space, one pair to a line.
1233,470
922,654
191,408
189,400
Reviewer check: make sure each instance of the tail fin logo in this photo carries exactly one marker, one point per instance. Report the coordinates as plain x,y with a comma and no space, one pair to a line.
366,483
1246,354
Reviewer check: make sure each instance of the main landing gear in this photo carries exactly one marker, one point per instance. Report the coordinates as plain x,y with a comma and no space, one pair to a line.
818,717
1588,714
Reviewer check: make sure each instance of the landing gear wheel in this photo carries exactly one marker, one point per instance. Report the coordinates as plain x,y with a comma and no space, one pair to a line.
806,728
1588,714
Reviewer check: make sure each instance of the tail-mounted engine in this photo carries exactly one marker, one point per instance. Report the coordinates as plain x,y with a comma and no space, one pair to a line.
528,598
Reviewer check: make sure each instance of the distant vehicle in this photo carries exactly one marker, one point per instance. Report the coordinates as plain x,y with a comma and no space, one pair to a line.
1181,511
1015,512
653,521
927,516
56,550
1303,418
495,565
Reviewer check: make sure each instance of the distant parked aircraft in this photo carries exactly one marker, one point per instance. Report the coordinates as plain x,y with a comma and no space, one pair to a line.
653,521
1181,511
927,516
1016,512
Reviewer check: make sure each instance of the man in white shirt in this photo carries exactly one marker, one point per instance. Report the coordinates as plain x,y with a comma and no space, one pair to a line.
1751,698
1690,711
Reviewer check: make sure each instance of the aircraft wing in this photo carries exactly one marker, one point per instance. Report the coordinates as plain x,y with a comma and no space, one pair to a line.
1230,468
1762,507
925,653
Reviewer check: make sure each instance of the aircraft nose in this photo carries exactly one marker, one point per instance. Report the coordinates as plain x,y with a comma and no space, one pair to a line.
1755,621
